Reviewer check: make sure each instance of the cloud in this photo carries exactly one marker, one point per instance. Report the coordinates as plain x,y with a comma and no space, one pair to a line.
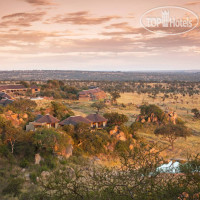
21,19
40,2
194,3
125,29
81,18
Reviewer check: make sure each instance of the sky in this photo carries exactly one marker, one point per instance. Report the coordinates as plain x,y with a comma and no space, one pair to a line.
97,35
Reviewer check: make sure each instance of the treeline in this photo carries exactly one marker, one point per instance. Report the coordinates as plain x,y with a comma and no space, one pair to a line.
70,89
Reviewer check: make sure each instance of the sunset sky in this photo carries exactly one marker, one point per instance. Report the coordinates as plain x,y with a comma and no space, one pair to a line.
91,35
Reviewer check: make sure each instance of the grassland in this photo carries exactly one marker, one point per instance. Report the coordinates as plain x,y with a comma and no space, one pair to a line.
129,103
182,106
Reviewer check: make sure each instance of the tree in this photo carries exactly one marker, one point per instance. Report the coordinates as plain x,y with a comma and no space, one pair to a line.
99,106
23,105
25,84
171,132
60,110
48,138
196,112
114,96
135,126
137,178
115,118
147,110
10,134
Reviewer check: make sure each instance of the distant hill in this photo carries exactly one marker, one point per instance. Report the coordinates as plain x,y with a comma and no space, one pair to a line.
40,75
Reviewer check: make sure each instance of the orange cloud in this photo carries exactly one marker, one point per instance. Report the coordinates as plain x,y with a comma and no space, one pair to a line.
194,3
21,19
81,18
40,2
126,30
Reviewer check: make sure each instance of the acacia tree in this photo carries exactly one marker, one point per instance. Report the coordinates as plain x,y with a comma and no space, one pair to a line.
11,135
196,112
114,96
115,118
60,110
171,132
99,106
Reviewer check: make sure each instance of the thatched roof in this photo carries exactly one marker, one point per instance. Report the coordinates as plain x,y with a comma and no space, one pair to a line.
90,91
49,119
12,87
5,102
73,120
4,96
96,118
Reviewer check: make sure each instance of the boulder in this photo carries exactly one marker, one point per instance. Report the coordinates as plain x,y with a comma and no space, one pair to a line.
45,174
131,146
68,151
37,159
121,136
25,116
27,176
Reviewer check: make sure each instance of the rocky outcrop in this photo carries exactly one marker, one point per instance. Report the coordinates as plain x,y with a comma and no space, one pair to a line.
169,116
13,117
118,134
66,153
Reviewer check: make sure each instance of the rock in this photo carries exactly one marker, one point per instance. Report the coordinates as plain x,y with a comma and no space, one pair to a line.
143,121
45,174
25,116
196,196
114,131
131,146
110,147
68,151
23,170
27,176
121,136
37,159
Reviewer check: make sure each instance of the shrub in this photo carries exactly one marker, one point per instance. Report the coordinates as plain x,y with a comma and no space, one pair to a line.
147,110
24,163
14,187
122,146
116,118
33,177
49,162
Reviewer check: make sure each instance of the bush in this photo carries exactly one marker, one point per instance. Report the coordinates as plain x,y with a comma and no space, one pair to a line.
147,110
24,163
4,150
116,118
14,187
33,177
50,162
122,147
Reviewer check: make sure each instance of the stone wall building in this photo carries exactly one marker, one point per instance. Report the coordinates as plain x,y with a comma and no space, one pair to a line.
92,94
46,121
